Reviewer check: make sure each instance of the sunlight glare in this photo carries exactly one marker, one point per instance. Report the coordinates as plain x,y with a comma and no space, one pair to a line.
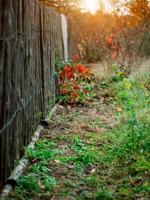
91,5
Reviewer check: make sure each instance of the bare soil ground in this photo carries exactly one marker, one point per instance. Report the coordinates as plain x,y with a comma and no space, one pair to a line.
100,70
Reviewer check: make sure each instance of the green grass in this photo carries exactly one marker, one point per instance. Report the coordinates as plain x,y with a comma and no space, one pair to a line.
132,136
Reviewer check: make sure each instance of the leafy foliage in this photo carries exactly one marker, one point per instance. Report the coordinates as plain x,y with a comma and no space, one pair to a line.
140,9
74,79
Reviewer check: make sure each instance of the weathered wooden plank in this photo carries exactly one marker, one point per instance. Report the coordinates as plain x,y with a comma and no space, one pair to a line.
26,58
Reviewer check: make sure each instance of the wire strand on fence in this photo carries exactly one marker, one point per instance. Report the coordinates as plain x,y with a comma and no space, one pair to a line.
20,108
25,34
37,90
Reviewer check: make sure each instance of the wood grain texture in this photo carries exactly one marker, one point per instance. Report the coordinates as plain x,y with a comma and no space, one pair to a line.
30,40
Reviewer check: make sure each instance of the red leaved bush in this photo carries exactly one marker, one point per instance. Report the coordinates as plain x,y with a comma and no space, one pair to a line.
80,68
74,72
67,73
73,79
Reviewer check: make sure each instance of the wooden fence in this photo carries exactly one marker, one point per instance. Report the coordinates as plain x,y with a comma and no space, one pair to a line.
30,40
73,36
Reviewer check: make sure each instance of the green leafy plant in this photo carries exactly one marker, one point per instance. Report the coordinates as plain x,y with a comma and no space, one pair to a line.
120,72
29,183
103,194
129,137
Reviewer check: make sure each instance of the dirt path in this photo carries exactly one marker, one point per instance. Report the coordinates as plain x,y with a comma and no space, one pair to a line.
74,159
144,66
100,70
70,153
80,133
